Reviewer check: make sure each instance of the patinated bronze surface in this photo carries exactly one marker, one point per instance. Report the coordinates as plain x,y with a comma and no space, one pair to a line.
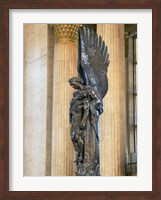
86,105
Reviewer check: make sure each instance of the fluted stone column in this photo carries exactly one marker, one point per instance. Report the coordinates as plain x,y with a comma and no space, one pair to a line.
113,120
38,59
65,67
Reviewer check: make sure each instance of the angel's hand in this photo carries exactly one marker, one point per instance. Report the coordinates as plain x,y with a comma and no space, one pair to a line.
82,125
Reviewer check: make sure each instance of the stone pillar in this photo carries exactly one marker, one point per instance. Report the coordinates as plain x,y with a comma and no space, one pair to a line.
130,97
65,67
38,48
113,120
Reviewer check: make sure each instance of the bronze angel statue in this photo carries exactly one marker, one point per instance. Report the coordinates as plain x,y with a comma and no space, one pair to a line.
86,105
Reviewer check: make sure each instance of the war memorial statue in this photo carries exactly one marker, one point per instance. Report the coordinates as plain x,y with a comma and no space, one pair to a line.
86,105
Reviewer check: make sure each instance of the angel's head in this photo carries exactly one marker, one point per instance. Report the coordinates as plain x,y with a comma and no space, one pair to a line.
76,82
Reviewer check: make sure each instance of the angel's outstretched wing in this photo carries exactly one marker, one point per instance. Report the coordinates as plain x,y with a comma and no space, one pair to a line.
93,60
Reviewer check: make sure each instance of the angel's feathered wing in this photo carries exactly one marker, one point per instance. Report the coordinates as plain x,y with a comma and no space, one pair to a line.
93,60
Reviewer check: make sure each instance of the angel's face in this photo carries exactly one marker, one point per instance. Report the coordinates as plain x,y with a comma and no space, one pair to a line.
75,85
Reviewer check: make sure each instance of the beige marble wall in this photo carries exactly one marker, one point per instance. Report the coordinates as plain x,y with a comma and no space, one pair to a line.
113,120
37,98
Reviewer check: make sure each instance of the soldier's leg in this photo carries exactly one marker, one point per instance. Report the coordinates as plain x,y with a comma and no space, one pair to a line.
86,113
81,145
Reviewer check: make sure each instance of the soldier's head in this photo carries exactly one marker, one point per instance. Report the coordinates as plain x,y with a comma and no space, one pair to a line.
76,82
